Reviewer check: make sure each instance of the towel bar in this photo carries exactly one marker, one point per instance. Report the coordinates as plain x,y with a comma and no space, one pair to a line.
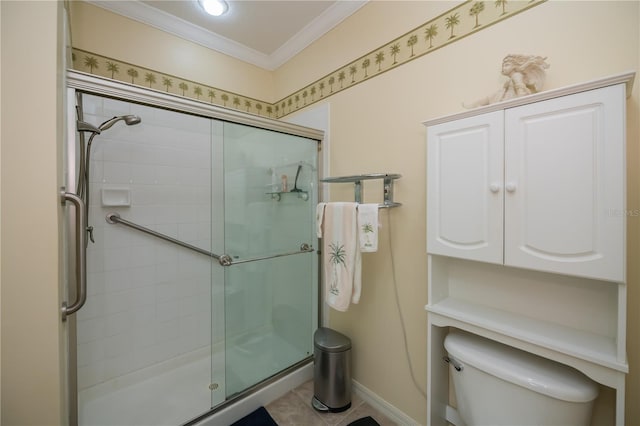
357,181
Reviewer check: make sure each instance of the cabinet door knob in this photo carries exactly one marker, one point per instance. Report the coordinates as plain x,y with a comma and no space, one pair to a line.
494,187
510,187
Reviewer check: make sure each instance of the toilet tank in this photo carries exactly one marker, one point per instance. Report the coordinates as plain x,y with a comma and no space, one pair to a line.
501,385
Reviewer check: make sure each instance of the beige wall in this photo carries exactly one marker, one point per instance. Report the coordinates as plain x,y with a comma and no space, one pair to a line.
99,31
357,35
32,375
0,221
375,127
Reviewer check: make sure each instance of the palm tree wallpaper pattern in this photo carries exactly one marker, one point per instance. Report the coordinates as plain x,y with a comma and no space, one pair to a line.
460,21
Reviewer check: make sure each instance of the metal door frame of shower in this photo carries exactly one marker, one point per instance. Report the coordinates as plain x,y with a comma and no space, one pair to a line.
79,82
89,83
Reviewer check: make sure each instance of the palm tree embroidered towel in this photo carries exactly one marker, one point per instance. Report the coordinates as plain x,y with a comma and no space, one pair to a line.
368,227
341,260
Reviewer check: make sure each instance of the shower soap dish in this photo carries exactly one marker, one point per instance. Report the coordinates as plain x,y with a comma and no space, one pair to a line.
116,197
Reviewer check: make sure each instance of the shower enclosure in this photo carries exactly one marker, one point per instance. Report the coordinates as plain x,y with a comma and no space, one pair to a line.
201,285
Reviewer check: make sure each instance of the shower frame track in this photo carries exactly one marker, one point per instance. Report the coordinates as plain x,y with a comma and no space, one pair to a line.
88,83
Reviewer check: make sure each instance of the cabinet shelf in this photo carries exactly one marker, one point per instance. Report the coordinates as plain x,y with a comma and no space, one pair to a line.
576,343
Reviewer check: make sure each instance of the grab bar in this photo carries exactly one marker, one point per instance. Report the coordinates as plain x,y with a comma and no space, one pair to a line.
114,218
224,260
304,248
81,254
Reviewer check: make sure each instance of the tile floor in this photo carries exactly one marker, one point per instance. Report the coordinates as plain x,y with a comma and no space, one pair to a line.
294,409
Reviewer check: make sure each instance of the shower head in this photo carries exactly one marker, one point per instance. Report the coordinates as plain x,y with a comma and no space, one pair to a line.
83,126
129,120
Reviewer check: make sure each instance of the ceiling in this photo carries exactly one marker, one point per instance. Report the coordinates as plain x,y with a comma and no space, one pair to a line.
266,33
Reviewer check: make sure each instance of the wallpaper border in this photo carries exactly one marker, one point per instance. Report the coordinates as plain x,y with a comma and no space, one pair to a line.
453,25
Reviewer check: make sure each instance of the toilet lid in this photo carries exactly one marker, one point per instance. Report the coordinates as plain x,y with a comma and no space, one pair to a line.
521,368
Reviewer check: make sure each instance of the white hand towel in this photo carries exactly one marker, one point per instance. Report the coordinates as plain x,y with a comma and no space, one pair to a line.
342,262
368,227
319,218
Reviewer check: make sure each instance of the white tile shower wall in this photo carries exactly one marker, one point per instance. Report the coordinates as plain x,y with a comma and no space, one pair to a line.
148,300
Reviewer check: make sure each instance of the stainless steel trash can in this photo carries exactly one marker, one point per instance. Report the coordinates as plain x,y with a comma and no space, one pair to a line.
332,371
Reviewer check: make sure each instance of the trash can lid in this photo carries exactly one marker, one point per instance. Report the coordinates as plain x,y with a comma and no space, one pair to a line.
330,340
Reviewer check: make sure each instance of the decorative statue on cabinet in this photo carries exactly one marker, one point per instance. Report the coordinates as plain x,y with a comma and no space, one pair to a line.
525,74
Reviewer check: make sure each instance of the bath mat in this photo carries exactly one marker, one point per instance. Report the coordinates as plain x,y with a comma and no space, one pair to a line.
365,421
259,417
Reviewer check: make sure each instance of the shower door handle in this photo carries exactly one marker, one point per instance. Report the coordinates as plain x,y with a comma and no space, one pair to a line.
81,253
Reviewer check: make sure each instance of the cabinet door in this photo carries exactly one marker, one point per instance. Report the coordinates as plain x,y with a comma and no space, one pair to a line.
464,188
565,185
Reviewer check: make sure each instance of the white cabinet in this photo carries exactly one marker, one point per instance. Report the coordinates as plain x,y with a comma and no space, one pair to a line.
537,186
526,233
465,163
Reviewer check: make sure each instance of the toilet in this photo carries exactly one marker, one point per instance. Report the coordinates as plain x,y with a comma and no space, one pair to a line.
495,384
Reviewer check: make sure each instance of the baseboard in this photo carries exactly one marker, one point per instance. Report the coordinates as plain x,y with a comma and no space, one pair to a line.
374,400
453,417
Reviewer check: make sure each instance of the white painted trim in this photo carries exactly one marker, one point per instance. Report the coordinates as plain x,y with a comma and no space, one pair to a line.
453,416
318,117
330,18
171,24
375,401
164,21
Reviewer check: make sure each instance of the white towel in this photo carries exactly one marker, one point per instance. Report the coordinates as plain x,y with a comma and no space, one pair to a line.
319,218
341,255
368,227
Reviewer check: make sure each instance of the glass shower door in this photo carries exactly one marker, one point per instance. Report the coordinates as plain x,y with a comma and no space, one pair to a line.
270,194
144,344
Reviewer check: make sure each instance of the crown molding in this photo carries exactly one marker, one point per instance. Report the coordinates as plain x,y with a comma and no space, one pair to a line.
163,21
330,18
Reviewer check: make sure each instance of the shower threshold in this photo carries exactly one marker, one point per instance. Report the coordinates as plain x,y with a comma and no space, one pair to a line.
135,399
179,391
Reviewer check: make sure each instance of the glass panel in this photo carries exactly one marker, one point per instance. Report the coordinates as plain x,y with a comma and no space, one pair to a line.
144,336
269,326
270,304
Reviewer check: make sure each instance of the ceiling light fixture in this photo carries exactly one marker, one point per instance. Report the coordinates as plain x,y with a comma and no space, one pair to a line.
214,7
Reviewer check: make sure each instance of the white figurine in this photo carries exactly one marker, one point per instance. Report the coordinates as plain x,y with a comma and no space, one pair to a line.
526,76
